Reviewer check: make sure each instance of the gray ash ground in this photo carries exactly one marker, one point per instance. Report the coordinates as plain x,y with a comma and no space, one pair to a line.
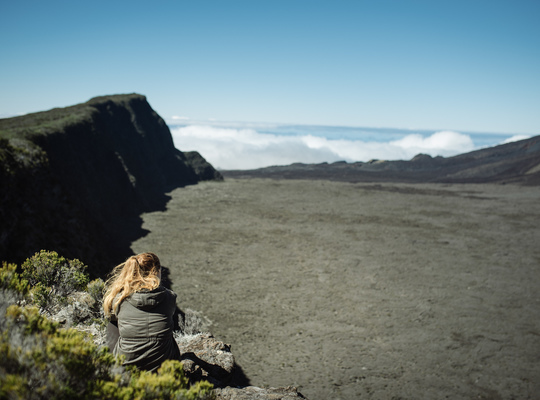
372,291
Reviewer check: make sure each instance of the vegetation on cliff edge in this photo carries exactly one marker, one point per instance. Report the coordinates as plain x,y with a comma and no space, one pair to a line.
41,359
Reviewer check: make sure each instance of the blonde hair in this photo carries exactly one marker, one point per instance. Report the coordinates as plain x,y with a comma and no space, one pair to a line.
136,273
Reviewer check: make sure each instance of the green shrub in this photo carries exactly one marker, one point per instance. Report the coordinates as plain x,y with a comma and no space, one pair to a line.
30,319
10,279
168,383
96,289
43,296
42,361
53,276
39,360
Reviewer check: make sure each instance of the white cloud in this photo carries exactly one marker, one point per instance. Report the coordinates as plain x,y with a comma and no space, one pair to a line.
246,148
444,143
177,118
515,138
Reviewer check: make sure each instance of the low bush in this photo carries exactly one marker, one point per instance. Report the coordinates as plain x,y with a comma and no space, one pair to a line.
96,289
11,280
53,278
39,359
50,269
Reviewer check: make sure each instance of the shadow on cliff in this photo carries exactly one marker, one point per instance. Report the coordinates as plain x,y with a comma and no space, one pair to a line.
236,379
76,180
123,231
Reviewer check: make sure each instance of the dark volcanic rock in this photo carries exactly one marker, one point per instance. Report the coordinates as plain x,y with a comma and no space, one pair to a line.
76,179
517,162
203,169
204,357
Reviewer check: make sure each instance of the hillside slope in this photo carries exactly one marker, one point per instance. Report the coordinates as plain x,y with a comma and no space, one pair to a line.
76,179
517,162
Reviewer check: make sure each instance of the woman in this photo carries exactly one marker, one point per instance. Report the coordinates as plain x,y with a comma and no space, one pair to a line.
143,312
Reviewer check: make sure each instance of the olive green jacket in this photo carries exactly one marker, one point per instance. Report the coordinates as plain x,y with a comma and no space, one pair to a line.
145,327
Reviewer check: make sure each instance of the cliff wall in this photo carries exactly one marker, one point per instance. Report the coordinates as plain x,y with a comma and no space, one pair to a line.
76,179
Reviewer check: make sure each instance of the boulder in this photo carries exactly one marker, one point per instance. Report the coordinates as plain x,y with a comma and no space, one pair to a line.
205,357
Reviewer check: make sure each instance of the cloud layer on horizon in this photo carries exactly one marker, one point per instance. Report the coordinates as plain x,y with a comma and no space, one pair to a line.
246,148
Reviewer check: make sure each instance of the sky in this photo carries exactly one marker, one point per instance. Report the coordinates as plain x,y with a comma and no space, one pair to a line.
446,66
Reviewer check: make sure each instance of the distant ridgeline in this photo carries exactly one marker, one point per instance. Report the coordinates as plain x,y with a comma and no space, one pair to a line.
76,180
516,162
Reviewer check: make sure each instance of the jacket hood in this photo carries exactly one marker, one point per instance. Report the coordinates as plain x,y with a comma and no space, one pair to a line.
147,300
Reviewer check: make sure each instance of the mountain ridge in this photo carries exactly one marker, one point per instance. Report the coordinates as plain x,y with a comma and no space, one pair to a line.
515,162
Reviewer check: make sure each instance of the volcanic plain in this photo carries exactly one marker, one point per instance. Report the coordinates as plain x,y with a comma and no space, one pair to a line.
362,290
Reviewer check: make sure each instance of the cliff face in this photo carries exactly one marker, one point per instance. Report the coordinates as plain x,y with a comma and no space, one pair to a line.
76,179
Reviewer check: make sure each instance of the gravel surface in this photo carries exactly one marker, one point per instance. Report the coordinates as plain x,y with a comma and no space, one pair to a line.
371,291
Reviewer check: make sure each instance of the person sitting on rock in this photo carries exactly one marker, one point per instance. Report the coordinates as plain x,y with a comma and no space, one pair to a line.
141,313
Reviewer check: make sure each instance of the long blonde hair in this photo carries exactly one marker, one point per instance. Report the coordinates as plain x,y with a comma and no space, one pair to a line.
138,272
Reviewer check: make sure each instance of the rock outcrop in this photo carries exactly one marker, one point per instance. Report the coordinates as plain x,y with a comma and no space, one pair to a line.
76,179
203,356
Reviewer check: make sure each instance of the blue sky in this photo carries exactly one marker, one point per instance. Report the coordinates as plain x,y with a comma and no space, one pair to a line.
455,65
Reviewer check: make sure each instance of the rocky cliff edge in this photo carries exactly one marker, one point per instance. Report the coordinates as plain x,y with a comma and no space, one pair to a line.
77,179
